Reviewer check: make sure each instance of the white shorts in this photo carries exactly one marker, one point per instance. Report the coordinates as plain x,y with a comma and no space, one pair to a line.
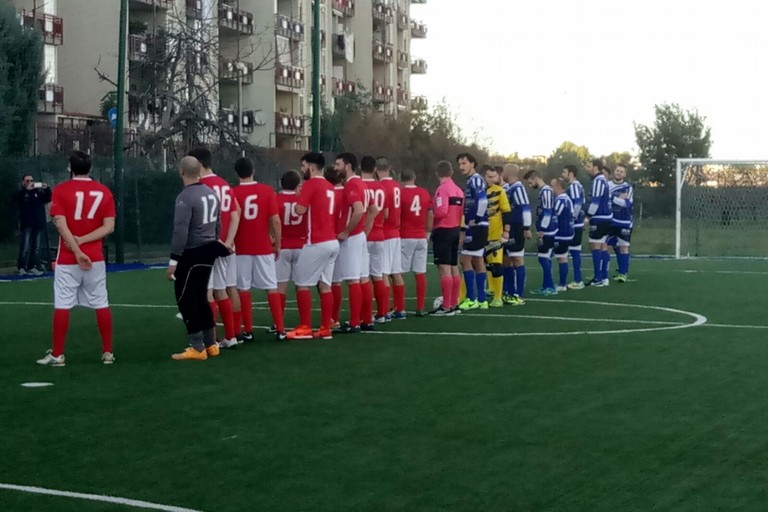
414,255
316,263
479,253
365,264
224,273
256,272
352,253
375,257
391,261
73,286
285,266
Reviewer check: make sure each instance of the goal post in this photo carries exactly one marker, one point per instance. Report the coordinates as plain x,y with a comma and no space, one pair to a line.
721,208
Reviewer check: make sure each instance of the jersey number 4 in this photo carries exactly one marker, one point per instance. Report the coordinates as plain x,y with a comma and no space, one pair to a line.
97,196
416,206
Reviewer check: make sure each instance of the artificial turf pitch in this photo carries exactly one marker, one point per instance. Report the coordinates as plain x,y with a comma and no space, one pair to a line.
437,414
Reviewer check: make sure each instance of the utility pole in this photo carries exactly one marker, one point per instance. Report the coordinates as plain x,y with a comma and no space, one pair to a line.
316,76
119,184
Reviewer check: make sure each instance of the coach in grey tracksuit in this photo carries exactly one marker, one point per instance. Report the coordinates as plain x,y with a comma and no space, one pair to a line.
194,248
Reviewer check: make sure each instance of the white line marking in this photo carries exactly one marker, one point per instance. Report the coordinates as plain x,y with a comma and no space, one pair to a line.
721,272
96,497
571,319
728,326
36,384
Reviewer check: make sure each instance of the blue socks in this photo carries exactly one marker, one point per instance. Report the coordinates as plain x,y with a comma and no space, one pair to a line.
606,264
623,262
520,278
546,267
509,280
597,263
469,282
563,273
481,276
576,257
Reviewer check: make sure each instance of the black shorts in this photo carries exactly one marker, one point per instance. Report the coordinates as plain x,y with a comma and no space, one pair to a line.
476,238
598,231
546,245
577,233
620,233
445,246
516,239
561,247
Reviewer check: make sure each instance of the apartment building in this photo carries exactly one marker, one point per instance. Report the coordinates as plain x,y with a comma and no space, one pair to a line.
259,65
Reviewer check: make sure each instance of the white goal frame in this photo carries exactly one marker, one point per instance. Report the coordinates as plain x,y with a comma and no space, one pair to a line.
681,163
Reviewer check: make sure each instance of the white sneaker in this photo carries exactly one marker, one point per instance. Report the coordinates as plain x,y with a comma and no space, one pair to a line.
606,282
21,272
107,358
576,285
178,315
228,343
601,284
35,272
49,360
561,288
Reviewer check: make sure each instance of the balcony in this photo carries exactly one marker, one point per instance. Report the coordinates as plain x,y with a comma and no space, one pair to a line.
151,4
195,9
344,7
235,71
403,22
342,87
138,47
50,99
338,46
289,124
134,110
381,93
418,29
418,67
382,52
419,103
418,1
51,26
236,20
286,27
288,78
383,12
403,98
249,118
197,61
402,59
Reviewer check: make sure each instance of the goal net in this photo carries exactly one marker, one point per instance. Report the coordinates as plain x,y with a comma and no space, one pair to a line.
722,208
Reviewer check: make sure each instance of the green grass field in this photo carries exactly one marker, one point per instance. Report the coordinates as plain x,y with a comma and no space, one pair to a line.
596,400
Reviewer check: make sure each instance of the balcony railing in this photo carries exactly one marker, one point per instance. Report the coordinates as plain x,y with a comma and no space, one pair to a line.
418,67
50,99
249,118
342,87
197,61
286,27
235,19
51,26
161,4
403,98
383,12
418,1
138,47
235,71
338,46
403,22
418,29
381,93
289,124
419,103
344,7
382,52
289,76
195,9
402,59
230,119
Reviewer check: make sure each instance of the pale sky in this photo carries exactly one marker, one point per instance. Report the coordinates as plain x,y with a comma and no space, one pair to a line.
532,73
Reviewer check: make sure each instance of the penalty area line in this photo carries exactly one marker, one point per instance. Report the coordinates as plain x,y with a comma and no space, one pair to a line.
96,497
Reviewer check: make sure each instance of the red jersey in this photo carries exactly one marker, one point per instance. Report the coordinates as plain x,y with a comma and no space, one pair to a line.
226,200
374,194
339,220
85,204
318,196
294,234
392,193
416,203
259,205
354,191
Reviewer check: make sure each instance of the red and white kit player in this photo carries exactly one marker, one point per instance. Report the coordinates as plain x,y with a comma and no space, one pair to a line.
256,251
416,219
223,280
374,195
317,258
337,180
391,261
294,232
84,213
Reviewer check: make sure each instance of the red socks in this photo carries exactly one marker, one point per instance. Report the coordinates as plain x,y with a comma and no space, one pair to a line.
225,308
304,300
366,311
421,291
237,320
326,309
456,290
336,290
276,308
446,285
381,290
398,292
282,302
355,303
104,321
246,310
60,327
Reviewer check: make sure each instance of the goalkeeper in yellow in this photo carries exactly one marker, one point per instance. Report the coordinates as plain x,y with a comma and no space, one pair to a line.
499,220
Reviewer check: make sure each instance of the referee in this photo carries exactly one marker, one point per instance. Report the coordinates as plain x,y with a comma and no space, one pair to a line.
448,206
194,248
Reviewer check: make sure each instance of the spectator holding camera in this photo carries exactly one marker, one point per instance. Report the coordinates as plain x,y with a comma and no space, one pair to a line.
31,199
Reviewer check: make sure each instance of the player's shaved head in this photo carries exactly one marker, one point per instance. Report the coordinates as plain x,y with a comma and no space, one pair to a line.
444,169
190,167
558,185
511,173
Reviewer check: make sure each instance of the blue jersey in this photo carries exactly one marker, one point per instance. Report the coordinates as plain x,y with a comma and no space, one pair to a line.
564,217
576,193
599,210
621,207
544,221
518,201
475,201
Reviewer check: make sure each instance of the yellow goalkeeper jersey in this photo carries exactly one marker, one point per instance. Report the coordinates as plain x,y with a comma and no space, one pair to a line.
497,204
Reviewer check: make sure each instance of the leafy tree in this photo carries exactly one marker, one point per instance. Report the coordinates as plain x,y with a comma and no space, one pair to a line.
21,59
676,133
568,153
